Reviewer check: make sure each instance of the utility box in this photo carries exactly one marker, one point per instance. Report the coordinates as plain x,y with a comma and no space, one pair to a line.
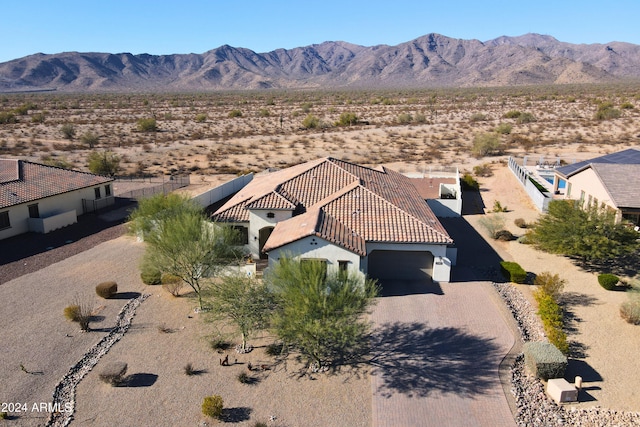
560,390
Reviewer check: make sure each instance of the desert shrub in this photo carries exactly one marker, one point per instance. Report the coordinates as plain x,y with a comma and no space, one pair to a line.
172,284
550,284
188,369
513,272
212,406
201,118
89,138
526,118
497,207
68,131
244,378
520,223
147,125
103,163
483,170
235,113
5,415
552,319
80,311
627,106
544,360
492,223
504,236
606,111
72,312
468,182
107,289
404,118
485,144
113,373
38,118
347,119
608,281
259,424
264,112
151,276
512,114
630,310
504,128
6,118
310,122
478,117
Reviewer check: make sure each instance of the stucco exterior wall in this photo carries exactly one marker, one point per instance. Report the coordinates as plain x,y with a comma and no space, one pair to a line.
588,181
315,247
50,206
258,220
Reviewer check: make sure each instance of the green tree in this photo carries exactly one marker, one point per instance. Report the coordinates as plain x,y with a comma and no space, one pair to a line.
485,144
90,138
104,163
320,313
590,234
187,245
156,208
244,301
68,131
147,125
347,119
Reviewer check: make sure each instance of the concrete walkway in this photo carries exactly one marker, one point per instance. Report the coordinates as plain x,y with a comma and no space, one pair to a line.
437,353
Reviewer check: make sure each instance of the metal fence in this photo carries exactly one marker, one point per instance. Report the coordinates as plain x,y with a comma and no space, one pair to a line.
165,186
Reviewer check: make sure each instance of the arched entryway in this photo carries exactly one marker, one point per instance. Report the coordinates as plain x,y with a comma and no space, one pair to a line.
263,236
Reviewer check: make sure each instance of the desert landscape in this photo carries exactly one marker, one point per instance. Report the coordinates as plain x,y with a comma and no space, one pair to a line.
236,132
214,136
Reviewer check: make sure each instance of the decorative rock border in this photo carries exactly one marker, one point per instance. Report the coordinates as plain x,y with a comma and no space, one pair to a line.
534,407
65,391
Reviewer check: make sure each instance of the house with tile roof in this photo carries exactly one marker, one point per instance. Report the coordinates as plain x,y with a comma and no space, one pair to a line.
41,198
612,180
369,220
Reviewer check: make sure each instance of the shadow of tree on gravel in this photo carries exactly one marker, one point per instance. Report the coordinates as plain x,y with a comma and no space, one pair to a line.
416,361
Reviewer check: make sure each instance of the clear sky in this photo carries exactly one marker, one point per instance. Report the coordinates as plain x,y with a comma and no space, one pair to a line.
196,26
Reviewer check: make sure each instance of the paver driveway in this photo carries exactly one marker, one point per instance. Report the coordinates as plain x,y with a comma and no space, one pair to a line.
437,352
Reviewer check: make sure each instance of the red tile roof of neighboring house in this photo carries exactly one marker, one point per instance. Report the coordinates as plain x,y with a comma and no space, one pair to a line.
22,181
429,188
341,202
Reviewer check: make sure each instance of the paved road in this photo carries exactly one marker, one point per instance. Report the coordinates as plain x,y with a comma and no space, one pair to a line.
438,349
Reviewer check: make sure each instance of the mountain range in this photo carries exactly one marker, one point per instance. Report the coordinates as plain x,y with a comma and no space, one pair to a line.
432,60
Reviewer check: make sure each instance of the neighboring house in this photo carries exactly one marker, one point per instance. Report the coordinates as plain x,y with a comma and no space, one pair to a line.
40,198
612,180
351,217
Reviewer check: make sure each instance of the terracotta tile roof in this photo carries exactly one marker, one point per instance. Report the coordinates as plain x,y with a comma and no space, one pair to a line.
429,188
341,202
622,182
271,200
22,181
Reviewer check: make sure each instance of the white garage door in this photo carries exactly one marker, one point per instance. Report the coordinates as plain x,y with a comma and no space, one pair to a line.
388,266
